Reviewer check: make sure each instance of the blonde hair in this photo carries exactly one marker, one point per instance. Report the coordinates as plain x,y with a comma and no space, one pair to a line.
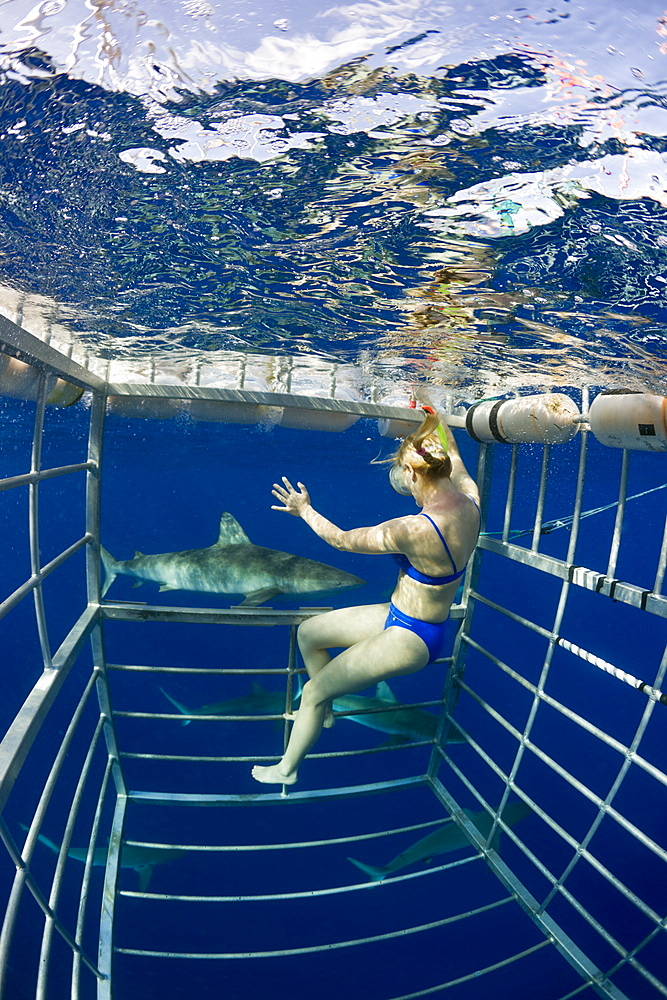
423,450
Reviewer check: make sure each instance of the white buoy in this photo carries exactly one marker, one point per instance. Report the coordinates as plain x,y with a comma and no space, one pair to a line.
224,412
544,419
21,381
626,419
153,407
393,427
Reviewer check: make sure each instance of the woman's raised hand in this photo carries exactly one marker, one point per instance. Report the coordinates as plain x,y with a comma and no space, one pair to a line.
294,500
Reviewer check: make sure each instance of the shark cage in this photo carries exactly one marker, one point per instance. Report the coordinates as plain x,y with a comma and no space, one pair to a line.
532,781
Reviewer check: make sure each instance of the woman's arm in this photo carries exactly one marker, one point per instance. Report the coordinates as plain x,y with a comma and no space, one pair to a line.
460,477
377,539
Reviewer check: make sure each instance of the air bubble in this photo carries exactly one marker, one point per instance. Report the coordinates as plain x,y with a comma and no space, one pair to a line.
52,7
283,24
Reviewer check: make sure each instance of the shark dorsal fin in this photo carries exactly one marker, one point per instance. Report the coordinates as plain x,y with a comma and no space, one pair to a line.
384,691
231,532
257,688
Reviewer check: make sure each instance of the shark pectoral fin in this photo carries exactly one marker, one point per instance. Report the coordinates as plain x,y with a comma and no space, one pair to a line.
259,597
166,586
375,874
395,741
145,872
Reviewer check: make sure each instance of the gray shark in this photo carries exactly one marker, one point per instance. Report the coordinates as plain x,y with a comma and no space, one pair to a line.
443,839
258,702
233,565
400,723
142,859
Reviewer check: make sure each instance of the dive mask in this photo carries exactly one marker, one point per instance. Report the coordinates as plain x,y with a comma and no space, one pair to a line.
397,478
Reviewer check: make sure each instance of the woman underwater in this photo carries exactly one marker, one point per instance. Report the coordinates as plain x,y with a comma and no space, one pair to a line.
381,641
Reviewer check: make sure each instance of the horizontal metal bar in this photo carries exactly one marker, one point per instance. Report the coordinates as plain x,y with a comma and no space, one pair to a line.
261,716
383,748
298,845
21,734
476,974
29,478
34,581
328,404
626,593
305,894
274,798
126,611
217,671
118,611
26,347
331,946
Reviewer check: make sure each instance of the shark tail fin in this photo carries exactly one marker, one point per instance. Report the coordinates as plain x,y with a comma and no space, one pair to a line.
181,708
144,872
110,571
375,874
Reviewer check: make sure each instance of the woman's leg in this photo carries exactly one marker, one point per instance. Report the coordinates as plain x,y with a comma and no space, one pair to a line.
337,629
380,657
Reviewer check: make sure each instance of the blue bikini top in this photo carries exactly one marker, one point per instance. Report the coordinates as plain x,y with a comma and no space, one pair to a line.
414,574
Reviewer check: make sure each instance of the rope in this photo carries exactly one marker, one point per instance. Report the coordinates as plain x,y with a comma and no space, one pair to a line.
566,522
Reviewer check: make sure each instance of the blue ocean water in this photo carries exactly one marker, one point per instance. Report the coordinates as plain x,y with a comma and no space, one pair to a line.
454,201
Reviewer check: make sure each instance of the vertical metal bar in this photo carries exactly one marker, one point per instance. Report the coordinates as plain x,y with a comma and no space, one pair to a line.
23,870
93,526
539,513
85,881
459,652
620,513
38,896
662,563
33,521
625,766
289,690
579,494
510,492
93,483
560,611
56,885
105,954
100,661
291,658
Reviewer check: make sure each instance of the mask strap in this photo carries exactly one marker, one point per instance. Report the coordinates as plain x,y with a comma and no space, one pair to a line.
440,430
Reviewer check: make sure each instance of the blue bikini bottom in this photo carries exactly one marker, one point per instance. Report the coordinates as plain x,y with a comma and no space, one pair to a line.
432,634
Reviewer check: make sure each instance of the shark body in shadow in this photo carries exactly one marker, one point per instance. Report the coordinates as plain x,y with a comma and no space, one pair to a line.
448,837
142,859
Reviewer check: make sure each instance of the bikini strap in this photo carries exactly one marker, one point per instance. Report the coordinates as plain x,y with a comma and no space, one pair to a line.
442,539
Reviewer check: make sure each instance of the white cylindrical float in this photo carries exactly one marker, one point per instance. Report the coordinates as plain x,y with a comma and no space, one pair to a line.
154,407
328,382
21,381
544,419
393,427
623,418
222,411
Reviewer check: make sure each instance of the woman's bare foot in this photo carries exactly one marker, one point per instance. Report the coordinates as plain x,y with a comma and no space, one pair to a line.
272,775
